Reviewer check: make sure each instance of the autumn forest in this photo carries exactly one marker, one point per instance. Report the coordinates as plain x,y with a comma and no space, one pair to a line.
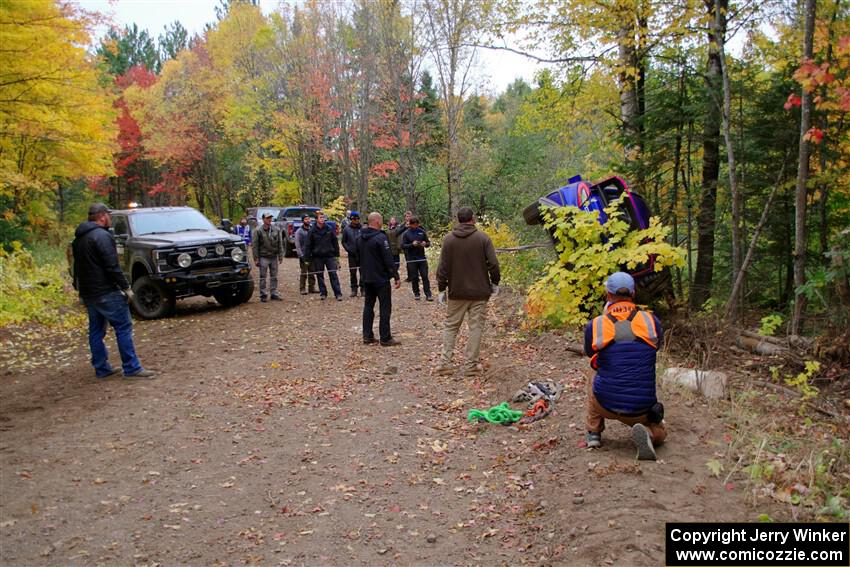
730,118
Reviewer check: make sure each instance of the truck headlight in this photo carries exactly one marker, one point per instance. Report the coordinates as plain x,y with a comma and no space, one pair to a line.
184,260
237,254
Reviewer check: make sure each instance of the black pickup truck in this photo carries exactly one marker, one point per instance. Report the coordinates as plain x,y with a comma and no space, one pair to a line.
175,252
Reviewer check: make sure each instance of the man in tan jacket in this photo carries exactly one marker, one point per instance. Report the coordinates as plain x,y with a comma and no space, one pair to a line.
468,274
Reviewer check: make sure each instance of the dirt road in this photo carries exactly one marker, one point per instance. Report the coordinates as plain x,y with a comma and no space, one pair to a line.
275,437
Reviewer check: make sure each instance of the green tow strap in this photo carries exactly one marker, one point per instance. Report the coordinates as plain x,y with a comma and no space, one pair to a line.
501,414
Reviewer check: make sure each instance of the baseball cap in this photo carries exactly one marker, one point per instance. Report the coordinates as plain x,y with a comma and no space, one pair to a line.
97,209
267,215
619,281
354,215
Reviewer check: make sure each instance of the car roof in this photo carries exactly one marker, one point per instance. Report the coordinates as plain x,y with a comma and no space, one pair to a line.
139,210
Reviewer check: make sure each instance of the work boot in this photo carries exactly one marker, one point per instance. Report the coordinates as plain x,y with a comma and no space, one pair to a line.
643,441
391,342
141,375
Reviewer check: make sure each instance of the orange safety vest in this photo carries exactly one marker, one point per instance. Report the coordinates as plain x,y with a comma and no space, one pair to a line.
622,322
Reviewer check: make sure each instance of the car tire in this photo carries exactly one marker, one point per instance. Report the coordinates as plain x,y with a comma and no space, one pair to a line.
654,286
288,250
152,300
234,294
531,213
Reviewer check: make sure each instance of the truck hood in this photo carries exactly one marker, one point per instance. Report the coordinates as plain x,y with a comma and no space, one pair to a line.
187,238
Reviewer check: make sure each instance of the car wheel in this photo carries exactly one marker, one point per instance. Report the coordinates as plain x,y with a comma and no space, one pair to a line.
531,213
233,294
152,300
654,286
288,250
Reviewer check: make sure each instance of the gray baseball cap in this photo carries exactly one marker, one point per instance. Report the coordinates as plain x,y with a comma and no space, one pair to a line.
97,209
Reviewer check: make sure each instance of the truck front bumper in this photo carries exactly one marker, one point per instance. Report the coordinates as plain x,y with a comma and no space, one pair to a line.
204,281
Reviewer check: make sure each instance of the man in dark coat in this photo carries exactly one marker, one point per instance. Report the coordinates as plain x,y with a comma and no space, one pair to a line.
414,241
322,251
105,292
376,269
349,241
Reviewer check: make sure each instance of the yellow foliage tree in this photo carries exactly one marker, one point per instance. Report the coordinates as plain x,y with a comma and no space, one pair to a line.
573,286
56,120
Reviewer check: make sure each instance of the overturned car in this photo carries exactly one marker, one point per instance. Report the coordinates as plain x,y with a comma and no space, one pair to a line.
650,284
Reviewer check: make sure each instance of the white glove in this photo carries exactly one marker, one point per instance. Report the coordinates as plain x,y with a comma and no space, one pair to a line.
441,298
128,293
494,290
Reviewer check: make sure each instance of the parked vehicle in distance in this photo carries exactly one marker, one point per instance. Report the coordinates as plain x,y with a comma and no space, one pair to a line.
170,253
290,220
255,214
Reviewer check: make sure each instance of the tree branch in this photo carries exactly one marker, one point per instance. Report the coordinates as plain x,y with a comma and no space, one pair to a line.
588,59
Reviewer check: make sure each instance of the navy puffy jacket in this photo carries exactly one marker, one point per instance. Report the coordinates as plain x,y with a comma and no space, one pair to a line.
625,379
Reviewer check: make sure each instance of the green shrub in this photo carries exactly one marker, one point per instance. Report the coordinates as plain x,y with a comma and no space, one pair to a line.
36,291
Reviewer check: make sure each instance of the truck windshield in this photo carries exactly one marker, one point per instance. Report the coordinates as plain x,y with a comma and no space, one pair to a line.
169,221
298,213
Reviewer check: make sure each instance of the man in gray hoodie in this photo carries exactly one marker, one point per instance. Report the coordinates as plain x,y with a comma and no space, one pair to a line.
468,274
305,279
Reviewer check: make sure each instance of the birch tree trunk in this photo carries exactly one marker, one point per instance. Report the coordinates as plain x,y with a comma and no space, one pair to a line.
735,196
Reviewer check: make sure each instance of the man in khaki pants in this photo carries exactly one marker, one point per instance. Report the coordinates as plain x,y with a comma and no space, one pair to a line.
467,276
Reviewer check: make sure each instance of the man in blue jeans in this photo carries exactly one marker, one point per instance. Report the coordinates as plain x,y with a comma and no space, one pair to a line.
105,292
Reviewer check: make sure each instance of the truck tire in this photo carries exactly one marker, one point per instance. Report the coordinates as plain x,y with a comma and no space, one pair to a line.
234,294
152,299
288,249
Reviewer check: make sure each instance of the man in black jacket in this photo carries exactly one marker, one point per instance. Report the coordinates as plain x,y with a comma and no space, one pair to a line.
105,292
376,269
349,241
322,251
414,241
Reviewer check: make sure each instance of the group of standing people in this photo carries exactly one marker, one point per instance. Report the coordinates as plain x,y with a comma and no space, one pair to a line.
622,342
317,248
467,276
